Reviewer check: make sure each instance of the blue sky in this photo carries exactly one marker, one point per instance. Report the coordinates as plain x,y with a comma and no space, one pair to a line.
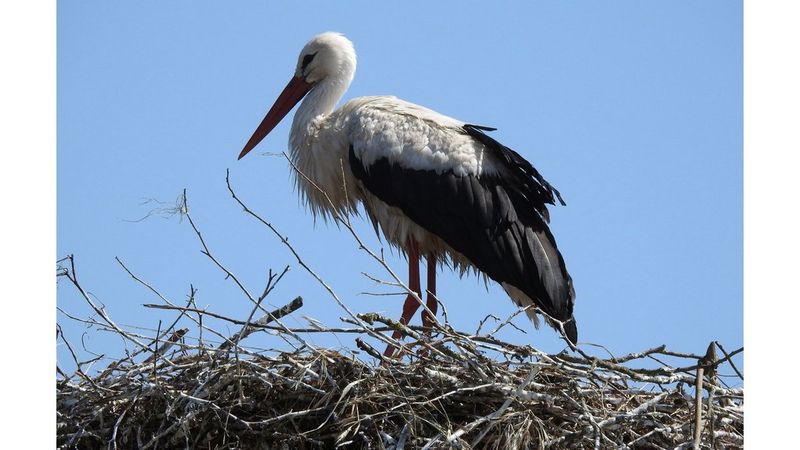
633,110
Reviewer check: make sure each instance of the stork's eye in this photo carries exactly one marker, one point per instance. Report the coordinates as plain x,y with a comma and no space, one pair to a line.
306,61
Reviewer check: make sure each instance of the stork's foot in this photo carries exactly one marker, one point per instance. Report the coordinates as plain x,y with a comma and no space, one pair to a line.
393,351
409,308
428,318
430,302
411,304
390,350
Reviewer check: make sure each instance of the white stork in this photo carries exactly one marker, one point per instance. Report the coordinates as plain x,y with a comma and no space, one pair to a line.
435,186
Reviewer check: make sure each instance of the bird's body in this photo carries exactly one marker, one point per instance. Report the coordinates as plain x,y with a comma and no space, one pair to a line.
433,185
379,128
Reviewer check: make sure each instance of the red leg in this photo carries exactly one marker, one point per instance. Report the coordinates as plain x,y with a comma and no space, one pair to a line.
431,302
411,304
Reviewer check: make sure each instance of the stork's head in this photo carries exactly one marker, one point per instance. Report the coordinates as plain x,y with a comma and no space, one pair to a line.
328,55
328,61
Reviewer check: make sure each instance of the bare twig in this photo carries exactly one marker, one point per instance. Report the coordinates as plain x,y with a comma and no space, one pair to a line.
250,327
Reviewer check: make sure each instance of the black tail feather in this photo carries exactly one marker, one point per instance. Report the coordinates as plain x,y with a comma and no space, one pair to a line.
571,330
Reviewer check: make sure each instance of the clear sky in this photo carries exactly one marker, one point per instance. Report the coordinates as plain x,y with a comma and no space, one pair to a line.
633,110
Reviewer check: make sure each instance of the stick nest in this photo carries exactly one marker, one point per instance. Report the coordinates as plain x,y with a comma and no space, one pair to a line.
447,393
195,387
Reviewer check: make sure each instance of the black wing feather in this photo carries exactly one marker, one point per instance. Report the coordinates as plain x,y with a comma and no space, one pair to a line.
498,223
528,183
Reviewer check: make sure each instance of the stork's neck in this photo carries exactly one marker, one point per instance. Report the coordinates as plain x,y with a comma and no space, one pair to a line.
318,104
314,152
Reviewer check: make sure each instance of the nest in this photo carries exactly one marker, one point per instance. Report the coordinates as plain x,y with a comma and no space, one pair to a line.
196,387
452,390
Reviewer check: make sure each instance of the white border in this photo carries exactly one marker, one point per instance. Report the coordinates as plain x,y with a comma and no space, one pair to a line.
27,236
771,225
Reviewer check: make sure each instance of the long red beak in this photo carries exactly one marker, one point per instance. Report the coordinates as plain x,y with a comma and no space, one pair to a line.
292,93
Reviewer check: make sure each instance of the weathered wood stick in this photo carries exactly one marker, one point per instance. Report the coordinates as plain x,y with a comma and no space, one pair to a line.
285,310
